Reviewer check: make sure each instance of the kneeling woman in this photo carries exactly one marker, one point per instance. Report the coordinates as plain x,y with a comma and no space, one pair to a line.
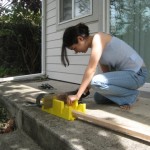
123,69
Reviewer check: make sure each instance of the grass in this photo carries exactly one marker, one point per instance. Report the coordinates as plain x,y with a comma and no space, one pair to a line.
6,72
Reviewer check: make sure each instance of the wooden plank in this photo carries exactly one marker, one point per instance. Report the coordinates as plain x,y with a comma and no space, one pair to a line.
134,132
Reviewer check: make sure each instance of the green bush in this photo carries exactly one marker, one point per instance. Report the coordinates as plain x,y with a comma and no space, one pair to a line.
5,72
20,47
20,39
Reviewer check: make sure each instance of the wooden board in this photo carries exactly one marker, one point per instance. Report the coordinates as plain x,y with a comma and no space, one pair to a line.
125,126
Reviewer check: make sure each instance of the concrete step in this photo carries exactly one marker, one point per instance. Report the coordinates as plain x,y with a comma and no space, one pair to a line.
17,140
54,133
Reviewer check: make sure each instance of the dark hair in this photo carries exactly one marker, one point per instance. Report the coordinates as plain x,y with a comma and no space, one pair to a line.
70,38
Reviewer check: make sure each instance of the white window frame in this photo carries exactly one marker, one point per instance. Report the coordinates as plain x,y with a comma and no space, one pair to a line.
85,19
73,12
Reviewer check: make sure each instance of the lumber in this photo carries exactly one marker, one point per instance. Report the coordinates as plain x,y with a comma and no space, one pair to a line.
77,111
112,126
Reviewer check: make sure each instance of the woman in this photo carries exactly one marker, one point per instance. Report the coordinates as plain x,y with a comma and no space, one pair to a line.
123,69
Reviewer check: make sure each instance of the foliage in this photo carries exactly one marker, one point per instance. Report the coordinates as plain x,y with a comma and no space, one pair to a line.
20,36
125,16
29,5
4,72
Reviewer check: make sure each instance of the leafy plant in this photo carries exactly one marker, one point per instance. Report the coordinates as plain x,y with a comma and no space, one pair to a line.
20,37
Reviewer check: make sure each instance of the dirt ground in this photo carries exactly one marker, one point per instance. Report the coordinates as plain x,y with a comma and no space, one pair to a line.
7,123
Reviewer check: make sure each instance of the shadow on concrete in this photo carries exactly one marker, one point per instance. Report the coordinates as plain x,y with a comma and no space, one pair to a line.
56,133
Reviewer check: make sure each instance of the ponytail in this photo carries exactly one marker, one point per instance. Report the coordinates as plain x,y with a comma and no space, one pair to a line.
70,37
64,57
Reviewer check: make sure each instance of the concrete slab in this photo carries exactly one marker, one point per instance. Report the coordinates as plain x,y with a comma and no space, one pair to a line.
54,133
17,140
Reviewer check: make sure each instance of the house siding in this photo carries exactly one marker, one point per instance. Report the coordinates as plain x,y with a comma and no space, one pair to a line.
53,41
54,69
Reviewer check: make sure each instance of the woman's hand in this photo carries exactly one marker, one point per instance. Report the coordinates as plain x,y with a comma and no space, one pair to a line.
71,99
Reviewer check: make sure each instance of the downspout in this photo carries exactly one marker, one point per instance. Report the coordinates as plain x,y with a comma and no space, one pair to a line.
32,76
107,7
102,22
105,16
43,38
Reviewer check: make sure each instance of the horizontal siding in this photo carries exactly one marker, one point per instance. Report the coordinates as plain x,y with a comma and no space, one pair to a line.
50,6
52,13
50,29
49,1
51,21
74,78
93,27
54,44
57,51
54,68
78,60
55,36
65,77
72,69
53,52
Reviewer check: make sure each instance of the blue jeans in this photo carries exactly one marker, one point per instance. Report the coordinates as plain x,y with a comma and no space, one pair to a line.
120,87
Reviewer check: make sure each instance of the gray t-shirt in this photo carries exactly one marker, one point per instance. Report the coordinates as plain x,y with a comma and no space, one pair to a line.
120,56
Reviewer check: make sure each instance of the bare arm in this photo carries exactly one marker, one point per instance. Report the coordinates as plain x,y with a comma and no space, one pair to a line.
97,48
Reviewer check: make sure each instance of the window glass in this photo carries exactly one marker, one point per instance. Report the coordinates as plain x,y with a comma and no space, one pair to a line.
81,7
130,21
65,10
72,9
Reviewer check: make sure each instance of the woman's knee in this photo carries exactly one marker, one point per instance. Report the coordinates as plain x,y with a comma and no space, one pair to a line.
99,82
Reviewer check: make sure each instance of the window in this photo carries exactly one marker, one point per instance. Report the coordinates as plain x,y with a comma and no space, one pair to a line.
130,21
73,9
